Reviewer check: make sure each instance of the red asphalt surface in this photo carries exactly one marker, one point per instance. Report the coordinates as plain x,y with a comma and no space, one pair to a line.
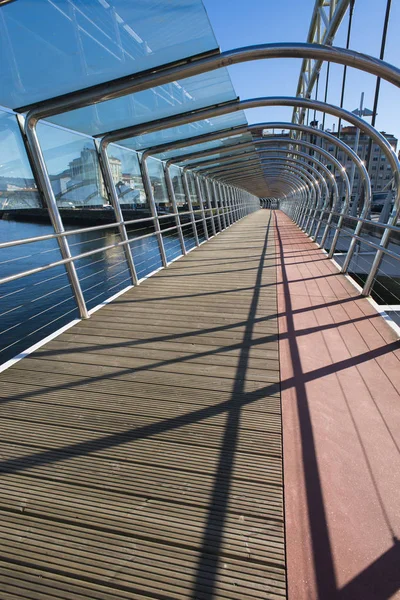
340,374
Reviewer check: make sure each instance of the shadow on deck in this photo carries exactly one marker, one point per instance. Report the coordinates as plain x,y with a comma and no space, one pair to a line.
141,451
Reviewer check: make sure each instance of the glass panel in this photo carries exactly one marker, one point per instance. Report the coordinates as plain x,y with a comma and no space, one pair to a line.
221,143
181,201
208,207
246,154
135,205
164,207
85,42
196,207
160,193
155,103
129,186
178,187
34,306
76,177
82,200
172,134
18,191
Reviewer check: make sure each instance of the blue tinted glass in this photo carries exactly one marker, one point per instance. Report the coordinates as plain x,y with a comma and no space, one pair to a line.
156,172
155,103
228,164
185,131
222,142
17,186
79,43
248,152
129,185
75,175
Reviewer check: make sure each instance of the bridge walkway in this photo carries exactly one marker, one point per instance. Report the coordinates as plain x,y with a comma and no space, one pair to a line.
141,450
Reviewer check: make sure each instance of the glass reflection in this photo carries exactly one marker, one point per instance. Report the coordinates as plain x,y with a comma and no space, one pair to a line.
75,175
85,42
18,191
128,180
160,193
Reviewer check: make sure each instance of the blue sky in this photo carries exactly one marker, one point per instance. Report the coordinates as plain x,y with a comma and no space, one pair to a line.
237,23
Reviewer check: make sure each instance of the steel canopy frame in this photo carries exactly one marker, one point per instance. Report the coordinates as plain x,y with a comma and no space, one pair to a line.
323,27
128,85
156,77
299,164
379,139
326,154
260,126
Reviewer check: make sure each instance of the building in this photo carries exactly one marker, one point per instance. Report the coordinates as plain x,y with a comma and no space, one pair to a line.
85,171
379,170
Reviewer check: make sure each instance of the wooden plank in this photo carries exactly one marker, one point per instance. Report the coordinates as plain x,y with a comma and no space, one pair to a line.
141,451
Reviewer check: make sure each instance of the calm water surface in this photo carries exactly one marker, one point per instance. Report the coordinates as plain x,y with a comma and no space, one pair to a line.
34,306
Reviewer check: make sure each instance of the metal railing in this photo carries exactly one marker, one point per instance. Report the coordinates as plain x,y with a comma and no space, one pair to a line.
176,232
354,242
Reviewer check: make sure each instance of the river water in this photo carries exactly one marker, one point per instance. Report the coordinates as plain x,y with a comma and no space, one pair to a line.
37,305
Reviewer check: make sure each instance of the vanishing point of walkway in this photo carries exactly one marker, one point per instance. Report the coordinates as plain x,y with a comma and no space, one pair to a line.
141,451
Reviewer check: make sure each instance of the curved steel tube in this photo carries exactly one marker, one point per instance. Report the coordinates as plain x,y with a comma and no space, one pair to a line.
302,169
281,140
136,82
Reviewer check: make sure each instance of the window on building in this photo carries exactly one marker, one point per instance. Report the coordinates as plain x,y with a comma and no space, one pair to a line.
374,168
381,168
375,158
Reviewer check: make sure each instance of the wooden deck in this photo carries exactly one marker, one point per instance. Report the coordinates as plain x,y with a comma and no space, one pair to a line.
141,451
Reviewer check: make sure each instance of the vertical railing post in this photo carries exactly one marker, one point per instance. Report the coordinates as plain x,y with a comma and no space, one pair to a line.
190,205
234,191
44,184
241,203
113,197
201,200
236,196
172,198
210,208
222,205
227,204
153,208
215,196
231,203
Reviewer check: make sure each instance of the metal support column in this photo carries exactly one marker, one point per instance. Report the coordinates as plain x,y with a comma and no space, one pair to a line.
36,155
201,201
216,204
113,197
221,205
190,205
171,195
153,208
210,208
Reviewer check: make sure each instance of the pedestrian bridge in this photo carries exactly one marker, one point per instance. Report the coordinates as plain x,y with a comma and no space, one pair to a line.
199,359
169,445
